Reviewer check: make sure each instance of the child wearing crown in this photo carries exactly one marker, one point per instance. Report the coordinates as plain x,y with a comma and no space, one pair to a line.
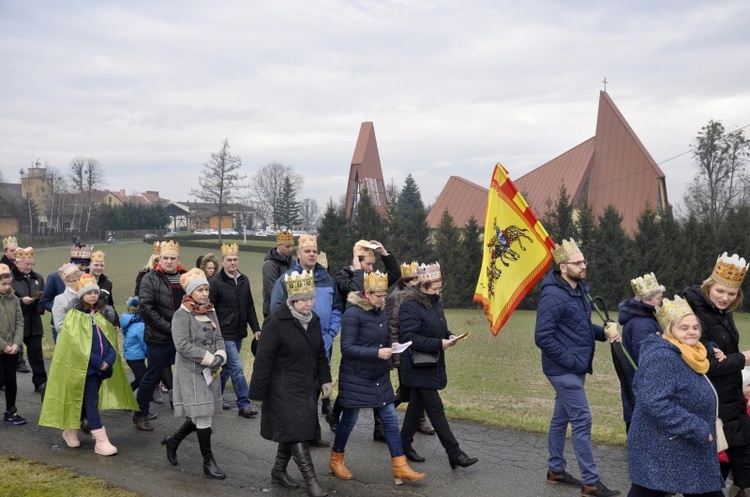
11,338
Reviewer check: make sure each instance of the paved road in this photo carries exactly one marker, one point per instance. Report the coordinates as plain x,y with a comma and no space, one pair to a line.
511,463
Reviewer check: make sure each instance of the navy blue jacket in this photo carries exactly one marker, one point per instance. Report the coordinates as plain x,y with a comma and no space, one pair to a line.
364,380
423,323
564,330
668,447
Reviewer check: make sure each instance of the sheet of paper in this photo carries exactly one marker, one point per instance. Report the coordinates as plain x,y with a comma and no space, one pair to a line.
401,348
207,375
462,335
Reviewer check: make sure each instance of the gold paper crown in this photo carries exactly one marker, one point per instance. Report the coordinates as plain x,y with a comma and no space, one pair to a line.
170,248
307,241
4,269
364,248
409,270
230,249
81,252
98,256
645,284
729,271
187,277
671,309
323,259
86,282
25,254
565,250
429,273
299,283
9,241
157,248
284,238
375,281
69,272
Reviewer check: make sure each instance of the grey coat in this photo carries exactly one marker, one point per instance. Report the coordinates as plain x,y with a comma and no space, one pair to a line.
197,339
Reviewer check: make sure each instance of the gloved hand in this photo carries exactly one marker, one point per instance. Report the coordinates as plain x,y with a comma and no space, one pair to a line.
327,389
216,363
611,331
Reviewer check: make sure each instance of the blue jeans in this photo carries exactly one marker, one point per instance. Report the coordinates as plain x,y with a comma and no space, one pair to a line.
390,423
158,357
571,407
233,369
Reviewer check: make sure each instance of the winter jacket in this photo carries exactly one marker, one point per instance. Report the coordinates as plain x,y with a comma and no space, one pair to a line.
564,331
638,321
11,321
234,305
105,295
27,286
290,364
668,447
364,379
61,306
393,309
718,327
54,287
349,280
133,328
423,323
274,265
328,304
197,339
157,307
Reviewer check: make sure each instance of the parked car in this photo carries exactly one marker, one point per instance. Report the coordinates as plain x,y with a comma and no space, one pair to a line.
171,234
260,233
199,231
149,236
229,231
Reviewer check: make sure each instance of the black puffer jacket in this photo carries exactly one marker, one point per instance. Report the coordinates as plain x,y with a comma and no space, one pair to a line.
234,305
718,327
29,286
349,280
105,294
158,305
274,265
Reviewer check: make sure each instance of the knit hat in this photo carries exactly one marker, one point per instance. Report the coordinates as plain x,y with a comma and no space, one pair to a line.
133,303
299,286
69,272
86,283
192,280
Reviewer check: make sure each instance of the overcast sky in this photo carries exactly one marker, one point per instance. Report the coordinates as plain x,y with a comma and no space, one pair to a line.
150,89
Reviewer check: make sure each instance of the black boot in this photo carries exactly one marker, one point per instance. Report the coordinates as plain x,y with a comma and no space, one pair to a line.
210,468
378,432
301,453
173,441
278,473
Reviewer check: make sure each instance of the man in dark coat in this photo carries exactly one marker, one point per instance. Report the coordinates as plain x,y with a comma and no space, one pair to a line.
277,262
160,296
565,334
233,300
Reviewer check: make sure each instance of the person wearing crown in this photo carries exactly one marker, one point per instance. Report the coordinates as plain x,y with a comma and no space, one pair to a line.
714,302
96,269
567,337
290,367
364,375
11,338
69,274
86,374
10,245
153,261
672,439
160,296
235,307
637,320
278,261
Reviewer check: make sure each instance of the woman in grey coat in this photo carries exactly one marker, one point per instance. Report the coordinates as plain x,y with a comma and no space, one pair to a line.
200,354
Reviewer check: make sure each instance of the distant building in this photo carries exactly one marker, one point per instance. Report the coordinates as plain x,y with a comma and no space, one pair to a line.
366,173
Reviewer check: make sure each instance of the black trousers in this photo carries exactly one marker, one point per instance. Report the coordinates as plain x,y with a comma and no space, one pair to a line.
138,367
428,400
638,491
8,364
35,357
739,461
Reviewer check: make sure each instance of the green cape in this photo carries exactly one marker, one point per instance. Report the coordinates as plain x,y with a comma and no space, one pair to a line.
63,398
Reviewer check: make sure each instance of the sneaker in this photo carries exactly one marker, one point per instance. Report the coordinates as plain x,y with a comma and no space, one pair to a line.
11,417
597,489
563,477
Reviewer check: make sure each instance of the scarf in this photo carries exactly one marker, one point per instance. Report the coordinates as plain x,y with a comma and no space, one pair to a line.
196,308
303,320
696,357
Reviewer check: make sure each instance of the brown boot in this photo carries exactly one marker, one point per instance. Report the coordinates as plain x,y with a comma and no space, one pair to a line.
424,426
336,463
402,471
103,447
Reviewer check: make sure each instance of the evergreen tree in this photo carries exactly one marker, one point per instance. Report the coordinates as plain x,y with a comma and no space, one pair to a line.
287,212
368,222
609,259
558,219
334,238
469,264
585,224
448,253
410,238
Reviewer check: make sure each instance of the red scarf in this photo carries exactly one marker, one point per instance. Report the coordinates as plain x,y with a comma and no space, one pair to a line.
196,308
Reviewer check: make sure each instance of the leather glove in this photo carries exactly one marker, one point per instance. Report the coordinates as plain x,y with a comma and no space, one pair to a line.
216,363
327,389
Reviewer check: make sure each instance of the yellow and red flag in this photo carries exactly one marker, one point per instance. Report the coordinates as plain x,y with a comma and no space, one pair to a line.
516,251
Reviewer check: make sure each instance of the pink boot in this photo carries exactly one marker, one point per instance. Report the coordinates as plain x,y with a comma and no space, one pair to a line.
71,438
103,447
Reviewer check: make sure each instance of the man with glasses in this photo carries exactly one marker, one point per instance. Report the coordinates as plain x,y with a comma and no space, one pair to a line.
565,334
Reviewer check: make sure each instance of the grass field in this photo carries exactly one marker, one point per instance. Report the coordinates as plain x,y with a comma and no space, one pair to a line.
492,380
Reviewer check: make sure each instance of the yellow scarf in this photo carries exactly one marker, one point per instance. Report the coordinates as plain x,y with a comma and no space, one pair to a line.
696,357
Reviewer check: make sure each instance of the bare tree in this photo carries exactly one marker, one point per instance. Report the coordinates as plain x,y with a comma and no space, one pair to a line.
54,198
309,211
219,179
267,185
86,174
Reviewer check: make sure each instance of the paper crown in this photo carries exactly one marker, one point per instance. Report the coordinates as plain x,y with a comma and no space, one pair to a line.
671,309
84,252
157,248
170,248
645,284
323,259
565,250
729,271
4,269
98,256
409,270
429,272
376,281
284,238
85,284
25,254
229,249
9,241
299,284
192,280
69,272
307,241
364,248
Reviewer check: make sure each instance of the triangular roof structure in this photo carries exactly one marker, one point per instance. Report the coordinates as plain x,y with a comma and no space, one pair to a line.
462,199
366,173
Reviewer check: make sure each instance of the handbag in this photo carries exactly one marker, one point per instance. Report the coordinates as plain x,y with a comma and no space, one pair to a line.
721,439
423,359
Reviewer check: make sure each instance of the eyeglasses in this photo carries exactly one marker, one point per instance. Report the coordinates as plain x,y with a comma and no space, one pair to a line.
378,295
578,263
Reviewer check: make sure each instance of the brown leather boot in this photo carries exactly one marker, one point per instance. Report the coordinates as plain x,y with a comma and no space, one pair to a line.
336,463
402,471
